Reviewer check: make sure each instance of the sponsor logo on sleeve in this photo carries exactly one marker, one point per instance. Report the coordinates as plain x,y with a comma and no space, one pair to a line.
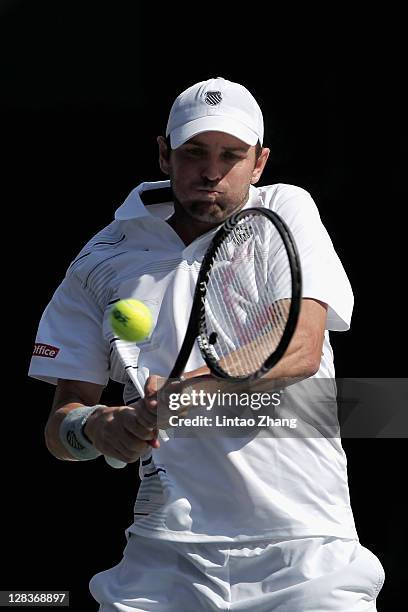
45,350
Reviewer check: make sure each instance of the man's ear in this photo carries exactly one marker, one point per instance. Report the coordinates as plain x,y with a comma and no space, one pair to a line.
260,165
164,155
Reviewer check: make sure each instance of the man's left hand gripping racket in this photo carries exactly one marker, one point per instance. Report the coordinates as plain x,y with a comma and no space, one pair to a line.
247,299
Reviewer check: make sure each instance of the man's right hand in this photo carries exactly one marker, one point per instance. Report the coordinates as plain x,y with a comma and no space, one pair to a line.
116,432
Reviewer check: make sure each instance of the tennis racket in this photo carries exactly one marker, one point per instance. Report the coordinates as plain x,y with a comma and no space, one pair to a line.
247,299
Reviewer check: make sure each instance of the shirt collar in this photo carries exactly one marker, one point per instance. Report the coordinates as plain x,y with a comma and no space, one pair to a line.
133,207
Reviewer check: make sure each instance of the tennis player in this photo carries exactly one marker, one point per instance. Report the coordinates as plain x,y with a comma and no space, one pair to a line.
259,522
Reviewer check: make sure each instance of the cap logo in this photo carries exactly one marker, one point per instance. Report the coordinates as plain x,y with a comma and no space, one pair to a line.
212,97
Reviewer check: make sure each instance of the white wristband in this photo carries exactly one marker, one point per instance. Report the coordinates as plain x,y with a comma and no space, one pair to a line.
72,435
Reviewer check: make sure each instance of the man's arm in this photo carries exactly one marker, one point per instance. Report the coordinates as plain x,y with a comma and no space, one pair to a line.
303,355
69,394
120,431
301,360
114,431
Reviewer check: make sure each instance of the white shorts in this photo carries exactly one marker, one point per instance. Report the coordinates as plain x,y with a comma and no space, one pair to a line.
304,575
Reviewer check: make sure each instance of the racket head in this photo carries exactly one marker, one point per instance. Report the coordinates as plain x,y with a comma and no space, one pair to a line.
263,328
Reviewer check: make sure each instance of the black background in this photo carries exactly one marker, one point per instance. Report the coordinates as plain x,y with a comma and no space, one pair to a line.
85,90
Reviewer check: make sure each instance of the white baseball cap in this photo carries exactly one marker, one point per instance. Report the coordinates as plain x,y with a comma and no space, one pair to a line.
215,105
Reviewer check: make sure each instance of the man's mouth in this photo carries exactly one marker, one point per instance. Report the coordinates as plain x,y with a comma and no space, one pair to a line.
209,192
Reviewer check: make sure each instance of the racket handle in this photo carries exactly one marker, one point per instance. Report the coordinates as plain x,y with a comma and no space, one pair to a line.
115,463
118,464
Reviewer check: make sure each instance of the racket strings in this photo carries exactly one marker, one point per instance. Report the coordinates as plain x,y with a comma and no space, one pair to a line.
247,300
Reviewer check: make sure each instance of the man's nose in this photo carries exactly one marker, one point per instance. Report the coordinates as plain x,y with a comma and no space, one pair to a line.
211,170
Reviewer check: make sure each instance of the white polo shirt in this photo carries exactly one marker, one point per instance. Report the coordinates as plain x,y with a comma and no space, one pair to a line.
201,488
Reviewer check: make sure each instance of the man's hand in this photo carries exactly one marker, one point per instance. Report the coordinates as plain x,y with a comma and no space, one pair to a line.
155,411
118,432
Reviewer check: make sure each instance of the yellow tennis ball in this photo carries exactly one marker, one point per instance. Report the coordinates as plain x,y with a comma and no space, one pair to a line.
131,320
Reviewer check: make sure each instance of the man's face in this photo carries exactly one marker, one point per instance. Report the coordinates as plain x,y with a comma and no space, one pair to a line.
211,174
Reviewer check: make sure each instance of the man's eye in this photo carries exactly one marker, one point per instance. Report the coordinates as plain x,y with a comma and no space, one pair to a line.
231,156
194,152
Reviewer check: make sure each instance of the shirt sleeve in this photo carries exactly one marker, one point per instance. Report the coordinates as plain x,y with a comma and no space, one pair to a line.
69,342
323,275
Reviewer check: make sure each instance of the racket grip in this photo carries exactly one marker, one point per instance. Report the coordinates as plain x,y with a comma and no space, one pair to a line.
115,463
118,464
